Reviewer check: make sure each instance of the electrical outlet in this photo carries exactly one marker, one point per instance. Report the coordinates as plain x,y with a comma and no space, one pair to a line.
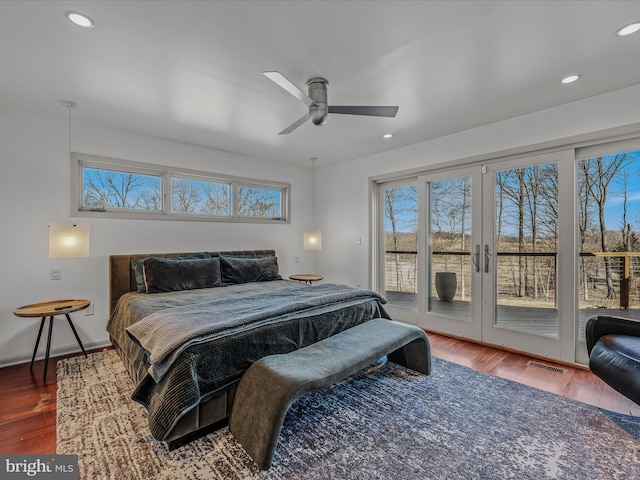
89,310
297,259
358,241
56,274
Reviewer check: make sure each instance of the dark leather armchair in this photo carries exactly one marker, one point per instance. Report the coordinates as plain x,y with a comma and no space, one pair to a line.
613,344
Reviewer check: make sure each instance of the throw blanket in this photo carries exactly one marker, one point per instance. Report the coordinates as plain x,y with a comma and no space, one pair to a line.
165,334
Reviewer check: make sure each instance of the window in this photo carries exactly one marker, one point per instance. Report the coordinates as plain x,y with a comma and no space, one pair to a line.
111,189
116,188
259,201
608,243
200,197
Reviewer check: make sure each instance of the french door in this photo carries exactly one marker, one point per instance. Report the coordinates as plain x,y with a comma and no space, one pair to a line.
491,267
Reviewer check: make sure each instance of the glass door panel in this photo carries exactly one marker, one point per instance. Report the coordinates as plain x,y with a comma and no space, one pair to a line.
485,252
608,245
450,250
401,245
529,220
526,242
451,203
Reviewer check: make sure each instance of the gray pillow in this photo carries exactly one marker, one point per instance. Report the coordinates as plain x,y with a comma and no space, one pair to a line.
176,274
247,270
137,266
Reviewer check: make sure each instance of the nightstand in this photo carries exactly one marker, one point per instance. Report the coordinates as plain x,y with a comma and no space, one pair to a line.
306,277
51,309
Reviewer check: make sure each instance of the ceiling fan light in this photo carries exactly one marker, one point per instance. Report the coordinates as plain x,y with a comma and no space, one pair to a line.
570,79
628,29
80,19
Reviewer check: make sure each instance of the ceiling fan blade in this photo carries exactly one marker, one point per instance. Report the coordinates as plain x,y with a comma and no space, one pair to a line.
285,83
295,125
364,110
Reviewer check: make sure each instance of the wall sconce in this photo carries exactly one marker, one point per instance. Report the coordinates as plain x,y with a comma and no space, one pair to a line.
312,239
69,240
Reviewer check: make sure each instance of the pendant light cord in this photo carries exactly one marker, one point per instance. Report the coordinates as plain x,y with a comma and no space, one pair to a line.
70,106
313,222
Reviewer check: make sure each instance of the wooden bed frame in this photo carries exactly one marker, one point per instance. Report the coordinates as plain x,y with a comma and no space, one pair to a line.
209,415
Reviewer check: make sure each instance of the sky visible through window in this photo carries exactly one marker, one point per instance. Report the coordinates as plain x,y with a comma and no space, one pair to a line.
616,177
623,170
113,189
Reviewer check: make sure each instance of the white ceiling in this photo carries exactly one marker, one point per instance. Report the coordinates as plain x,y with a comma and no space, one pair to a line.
190,71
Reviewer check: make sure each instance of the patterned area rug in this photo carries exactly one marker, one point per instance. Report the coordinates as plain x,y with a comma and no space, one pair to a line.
385,422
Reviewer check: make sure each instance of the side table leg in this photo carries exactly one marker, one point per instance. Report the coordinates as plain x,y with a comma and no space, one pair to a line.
75,333
37,343
46,358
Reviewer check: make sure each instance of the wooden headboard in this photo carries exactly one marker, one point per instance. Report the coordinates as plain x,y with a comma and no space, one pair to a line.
123,280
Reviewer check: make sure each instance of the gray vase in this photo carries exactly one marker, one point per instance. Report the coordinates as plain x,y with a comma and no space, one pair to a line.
446,284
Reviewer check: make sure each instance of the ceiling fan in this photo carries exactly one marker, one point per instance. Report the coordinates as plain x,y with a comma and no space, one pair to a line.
317,102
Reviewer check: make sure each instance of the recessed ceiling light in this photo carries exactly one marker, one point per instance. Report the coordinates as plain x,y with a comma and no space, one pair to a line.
570,79
80,19
387,135
628,29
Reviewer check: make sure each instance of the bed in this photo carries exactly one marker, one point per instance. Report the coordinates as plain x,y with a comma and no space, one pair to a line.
186,345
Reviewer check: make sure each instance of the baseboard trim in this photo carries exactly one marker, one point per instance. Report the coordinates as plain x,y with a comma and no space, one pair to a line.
55,352
511,350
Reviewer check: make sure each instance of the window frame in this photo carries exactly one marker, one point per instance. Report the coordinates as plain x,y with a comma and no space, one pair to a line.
173,175
167,174
254,184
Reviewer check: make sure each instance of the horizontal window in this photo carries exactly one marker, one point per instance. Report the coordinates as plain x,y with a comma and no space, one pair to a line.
112,189
118,188
200,197
259,202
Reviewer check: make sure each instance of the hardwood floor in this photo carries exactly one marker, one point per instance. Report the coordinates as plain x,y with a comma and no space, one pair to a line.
28,413
577,383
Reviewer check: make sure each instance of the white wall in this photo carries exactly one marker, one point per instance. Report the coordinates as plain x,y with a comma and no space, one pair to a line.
34,190
341,199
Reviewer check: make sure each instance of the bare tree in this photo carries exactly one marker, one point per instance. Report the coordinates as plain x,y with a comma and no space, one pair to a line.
449,198
257,202
151,199
625,226
585,211
217,199
602,171
185,197
532,187
464,210
502,179
390,214
111,189
520,194
401,214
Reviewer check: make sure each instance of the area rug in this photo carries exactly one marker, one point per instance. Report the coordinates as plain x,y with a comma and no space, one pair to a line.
385,422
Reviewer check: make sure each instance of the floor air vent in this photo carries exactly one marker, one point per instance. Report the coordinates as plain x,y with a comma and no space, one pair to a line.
549,368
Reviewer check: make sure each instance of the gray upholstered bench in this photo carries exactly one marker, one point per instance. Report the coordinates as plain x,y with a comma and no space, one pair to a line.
271,384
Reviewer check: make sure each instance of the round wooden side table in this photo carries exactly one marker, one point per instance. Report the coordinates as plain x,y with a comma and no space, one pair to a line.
306,277
51,309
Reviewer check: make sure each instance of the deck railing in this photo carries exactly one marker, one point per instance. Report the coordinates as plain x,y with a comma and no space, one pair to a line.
401,271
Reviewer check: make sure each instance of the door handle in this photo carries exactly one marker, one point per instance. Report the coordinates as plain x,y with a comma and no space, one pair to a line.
476,258
486,258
